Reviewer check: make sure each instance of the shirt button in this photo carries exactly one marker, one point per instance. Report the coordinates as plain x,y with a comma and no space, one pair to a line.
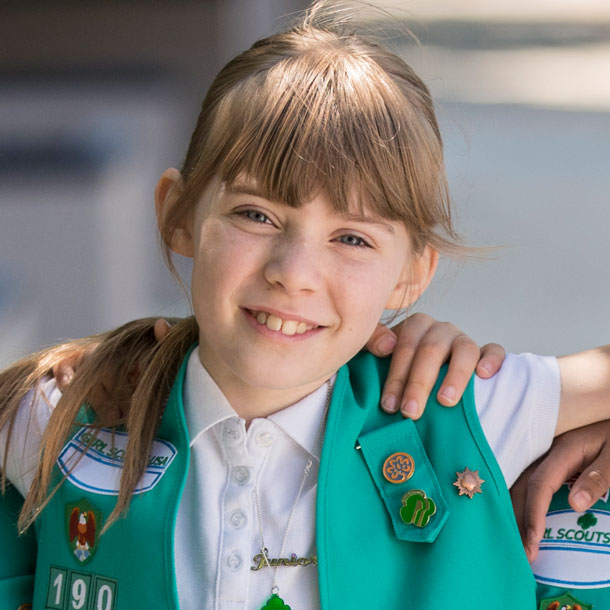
234,561
241,475
238,519
264,439
231,429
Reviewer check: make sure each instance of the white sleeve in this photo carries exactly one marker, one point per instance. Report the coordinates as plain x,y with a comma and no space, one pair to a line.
24,447
518,409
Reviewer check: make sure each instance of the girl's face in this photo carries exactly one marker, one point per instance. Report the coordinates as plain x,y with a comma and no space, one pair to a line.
283,296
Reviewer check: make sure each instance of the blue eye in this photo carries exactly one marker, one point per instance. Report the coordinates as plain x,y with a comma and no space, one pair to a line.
354,240
256,216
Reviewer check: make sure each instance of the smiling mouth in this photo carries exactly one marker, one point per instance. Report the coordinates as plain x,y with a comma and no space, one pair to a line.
275,323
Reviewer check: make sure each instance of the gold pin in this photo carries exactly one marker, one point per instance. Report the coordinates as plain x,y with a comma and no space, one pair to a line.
398,468
469,482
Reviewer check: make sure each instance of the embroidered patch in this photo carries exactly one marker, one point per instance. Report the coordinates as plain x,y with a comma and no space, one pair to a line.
83,522
565,602
73,590
97,468
575,550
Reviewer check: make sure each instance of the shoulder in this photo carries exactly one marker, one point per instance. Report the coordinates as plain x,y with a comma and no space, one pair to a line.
367,374
20,443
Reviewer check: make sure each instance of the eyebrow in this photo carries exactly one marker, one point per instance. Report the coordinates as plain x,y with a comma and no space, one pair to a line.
246,189
375,220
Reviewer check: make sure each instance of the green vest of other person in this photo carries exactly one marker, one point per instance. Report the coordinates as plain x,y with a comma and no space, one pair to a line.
417,544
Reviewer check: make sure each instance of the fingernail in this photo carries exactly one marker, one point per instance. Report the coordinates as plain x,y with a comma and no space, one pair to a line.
65,380
582,500
389,403
485,367
386,344
448,393
410,408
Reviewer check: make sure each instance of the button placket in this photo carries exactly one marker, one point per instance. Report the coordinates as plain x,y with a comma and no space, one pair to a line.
236,538
238,518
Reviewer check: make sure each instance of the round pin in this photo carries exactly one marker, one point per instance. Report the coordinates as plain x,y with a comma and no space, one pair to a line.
398,468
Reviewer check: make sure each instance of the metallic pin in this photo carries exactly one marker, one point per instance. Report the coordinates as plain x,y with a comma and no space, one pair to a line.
469,482
416,508
398,468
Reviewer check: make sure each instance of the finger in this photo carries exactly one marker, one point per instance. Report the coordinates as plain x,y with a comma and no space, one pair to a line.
414,328
518,494
592,484
382,341
161,329
464,357
492,357
545,480
432,351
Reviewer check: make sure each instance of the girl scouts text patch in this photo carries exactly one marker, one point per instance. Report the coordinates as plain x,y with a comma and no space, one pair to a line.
575,550
94,462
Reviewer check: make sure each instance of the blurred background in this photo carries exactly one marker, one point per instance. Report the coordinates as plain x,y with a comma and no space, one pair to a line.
98,97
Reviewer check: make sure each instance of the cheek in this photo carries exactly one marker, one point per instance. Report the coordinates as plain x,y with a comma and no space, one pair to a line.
364,293
222,264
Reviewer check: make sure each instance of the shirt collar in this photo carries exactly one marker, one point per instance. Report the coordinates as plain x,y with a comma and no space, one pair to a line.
205,406
204,403
302,421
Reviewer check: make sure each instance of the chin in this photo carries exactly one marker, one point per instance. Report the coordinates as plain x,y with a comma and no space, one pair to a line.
284,375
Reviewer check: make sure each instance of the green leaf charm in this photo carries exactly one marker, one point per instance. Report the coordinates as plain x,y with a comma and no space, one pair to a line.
587,520
275,602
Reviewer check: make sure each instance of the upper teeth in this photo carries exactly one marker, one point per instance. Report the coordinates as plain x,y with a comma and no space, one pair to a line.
287,327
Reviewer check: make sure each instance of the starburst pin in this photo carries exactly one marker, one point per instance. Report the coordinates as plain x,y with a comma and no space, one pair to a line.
469,482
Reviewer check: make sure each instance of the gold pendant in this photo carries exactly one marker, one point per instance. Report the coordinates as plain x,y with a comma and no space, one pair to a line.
260,561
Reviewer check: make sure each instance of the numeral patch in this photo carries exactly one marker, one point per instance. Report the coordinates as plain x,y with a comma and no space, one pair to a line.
74,590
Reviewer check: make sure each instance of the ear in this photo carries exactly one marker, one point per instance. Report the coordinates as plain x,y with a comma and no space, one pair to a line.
169,188
415,278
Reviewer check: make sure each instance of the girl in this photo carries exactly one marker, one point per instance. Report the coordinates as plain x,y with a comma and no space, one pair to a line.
252,467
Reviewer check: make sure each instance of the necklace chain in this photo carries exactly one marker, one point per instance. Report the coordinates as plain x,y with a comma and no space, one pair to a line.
259,513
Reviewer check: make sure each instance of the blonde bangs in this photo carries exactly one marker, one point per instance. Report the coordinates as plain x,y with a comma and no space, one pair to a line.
326,121
313,111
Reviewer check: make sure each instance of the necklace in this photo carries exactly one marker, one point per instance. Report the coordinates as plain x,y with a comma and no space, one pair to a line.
275,602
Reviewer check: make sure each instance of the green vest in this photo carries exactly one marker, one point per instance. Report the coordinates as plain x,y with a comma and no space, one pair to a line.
381,544
17,555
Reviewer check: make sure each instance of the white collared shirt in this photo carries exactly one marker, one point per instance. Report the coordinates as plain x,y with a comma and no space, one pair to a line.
217,529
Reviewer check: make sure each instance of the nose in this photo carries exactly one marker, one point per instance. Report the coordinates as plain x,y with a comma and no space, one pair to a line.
295,266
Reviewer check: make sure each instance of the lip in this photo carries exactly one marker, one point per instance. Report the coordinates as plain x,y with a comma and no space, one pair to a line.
283,315
276,334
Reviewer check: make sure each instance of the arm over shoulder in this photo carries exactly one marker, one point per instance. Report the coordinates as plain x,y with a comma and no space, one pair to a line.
585,389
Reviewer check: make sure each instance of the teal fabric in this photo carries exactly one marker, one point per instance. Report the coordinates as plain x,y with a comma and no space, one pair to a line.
470,556
382,442
476,559
18,558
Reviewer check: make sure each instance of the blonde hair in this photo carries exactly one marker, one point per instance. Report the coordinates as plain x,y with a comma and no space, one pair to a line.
317,108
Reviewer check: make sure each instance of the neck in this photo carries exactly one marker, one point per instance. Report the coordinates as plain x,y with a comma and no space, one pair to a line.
254,401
